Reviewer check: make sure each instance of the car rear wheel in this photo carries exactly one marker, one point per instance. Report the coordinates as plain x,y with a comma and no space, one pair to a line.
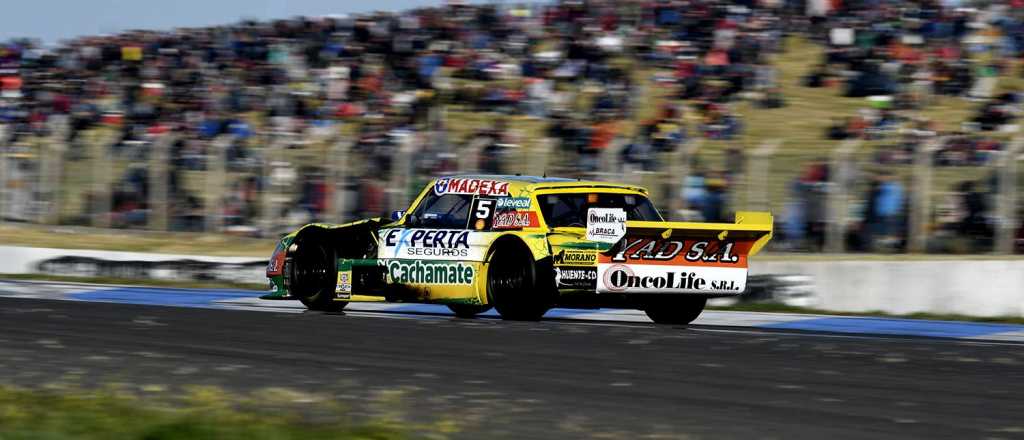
674,310
314,276
512,284
467,310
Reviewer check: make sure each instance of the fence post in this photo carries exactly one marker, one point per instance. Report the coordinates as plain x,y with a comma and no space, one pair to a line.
267,193
3,173
339,175
837,202
102,140
216,177
1007,199
158,182
41,198
401,174
469,157
921,200
758,170
52,164
538,159
679,170
607,159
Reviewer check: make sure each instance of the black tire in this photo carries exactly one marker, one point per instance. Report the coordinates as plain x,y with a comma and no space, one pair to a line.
674,310
467,310
512,285
314,276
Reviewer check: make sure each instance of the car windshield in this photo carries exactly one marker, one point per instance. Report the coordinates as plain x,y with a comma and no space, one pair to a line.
448,211
571,209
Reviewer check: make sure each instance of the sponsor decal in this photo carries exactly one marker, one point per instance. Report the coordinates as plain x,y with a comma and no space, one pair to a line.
433,244
275,266
500,214
569,257
483,212
606,225
618,273
484,187
425,243
705,251
576,277
428,272
514,203
618,278
515,220
344,287
656,251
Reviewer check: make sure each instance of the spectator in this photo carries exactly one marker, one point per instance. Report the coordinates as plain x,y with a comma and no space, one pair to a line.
713,209
887,204
974,226
572,70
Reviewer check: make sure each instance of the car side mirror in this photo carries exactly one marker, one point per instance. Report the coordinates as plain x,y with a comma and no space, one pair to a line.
397,215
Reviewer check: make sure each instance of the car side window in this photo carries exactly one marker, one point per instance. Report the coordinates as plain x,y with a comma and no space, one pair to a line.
562,211
447,211
571,209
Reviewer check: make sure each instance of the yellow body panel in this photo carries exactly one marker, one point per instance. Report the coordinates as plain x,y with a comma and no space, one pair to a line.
540,240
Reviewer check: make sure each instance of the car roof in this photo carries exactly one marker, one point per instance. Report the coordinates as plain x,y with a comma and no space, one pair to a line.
512,178
532,183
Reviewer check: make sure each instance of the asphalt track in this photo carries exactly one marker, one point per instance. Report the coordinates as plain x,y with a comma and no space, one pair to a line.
548,379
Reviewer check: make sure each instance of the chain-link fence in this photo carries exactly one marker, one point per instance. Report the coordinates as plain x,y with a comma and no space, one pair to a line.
845,199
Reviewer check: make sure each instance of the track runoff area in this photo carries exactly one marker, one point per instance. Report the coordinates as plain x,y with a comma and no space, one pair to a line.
248,300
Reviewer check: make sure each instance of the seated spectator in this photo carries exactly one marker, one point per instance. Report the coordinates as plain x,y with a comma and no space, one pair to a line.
974,224
992,115
837,130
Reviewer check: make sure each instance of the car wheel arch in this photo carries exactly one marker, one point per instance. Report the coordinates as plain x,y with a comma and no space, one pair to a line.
354,241
543,269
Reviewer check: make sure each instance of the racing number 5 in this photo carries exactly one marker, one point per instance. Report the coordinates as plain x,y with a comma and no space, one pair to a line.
483,210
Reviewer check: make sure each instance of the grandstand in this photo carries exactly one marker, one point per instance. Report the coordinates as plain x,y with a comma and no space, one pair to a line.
252,128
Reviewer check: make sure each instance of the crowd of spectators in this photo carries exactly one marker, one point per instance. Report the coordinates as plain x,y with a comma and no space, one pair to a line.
572,64
899,57
577,68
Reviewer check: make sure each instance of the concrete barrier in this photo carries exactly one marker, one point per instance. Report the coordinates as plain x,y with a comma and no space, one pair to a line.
983,288
130,265
964,287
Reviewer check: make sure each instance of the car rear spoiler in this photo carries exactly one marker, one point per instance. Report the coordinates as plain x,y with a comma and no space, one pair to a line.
749,225
708,259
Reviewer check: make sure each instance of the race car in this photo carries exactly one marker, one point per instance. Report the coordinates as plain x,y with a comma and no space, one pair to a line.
522,245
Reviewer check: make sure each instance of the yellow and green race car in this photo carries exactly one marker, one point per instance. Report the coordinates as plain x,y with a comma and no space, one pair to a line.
522,245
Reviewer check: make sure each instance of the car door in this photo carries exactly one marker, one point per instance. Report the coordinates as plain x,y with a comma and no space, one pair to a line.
433,254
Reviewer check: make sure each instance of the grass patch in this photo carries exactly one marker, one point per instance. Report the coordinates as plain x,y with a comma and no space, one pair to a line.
782,308
199,413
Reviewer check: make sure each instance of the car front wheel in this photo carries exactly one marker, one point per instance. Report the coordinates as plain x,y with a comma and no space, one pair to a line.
314,277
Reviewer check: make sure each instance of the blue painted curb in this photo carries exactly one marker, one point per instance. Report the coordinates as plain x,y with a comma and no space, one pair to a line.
246,299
